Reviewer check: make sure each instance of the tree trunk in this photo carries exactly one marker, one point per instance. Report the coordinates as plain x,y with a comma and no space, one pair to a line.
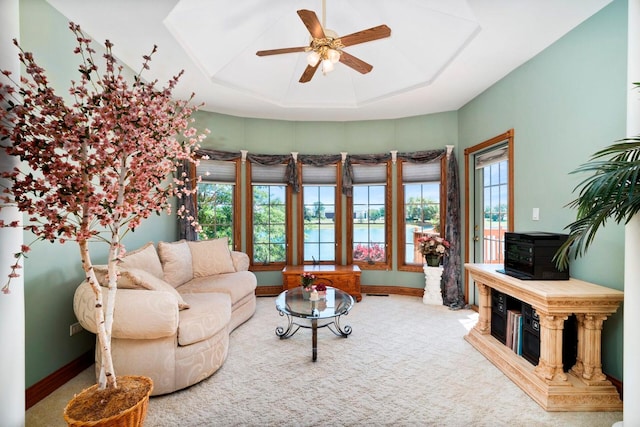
106,377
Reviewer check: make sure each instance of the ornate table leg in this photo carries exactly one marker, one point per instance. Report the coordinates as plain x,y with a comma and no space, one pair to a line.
314,338
578,368
590,346
286,333
483,325
550,364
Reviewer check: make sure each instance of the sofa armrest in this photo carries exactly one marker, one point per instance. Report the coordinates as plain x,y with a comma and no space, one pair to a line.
138,313
240,261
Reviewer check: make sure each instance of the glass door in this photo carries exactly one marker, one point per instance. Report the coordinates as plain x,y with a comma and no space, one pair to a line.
489,203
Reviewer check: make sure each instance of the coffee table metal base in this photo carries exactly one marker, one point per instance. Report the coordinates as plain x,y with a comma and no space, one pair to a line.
293,327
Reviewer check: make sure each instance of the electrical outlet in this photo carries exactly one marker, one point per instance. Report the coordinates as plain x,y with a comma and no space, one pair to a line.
75,329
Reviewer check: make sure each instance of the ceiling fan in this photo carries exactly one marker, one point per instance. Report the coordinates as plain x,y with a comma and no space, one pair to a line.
326,48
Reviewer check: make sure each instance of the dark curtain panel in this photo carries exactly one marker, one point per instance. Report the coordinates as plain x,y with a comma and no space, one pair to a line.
313,160
185,228
291,175
422,156
269,159
453,294
347,171
319,159
219,154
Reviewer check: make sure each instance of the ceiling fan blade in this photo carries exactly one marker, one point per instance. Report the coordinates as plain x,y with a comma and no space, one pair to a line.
308,73
279,51
355,63
375,33
310,20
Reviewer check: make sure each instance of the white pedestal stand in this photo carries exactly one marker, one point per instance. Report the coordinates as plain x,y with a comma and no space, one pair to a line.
432,291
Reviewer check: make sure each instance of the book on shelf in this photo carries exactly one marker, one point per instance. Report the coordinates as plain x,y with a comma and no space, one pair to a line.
514,331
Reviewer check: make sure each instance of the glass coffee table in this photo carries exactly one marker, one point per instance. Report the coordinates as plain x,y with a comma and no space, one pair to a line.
324,313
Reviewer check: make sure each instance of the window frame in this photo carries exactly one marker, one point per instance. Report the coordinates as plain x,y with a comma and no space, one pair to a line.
337,218
388,221
237,207
272,266
402,243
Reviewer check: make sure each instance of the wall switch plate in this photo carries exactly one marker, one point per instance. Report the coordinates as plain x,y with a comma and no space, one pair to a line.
75,329
536,214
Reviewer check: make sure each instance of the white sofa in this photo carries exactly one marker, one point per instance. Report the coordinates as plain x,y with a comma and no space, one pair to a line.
175,308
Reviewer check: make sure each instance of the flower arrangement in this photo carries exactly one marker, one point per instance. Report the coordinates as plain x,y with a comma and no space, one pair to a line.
307,280
93,165
321,287
433,245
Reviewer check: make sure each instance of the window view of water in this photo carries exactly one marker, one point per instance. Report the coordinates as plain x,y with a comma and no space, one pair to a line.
326,252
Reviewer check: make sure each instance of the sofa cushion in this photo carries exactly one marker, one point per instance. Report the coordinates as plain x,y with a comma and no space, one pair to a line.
176,262
144,258
237,285
136,316
209,313
240,261
210,257
145,280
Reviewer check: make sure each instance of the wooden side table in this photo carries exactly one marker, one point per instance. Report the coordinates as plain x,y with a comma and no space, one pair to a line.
345,277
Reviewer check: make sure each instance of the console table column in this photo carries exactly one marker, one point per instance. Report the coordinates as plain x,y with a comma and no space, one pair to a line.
484,309
588,365
550,366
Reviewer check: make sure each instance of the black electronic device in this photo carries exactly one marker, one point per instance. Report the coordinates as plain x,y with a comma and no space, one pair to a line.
529,255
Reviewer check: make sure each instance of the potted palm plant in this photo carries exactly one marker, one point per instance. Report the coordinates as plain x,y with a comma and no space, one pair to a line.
93,166
611,192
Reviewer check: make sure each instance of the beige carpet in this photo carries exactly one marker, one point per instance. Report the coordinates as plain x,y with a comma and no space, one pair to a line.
405,364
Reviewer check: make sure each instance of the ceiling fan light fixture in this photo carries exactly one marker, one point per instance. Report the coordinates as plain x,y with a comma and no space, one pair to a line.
333,55
327,66
313,58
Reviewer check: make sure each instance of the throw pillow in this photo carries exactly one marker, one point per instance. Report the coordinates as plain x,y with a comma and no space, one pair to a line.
211,257
176,262
145,280
145,258
124,281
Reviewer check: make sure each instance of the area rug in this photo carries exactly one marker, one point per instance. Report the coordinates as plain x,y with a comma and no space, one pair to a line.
405,364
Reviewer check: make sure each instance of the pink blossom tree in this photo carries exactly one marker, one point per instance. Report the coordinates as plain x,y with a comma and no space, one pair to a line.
94,167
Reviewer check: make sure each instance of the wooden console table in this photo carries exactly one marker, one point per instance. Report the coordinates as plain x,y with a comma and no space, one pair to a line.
345,277
584,387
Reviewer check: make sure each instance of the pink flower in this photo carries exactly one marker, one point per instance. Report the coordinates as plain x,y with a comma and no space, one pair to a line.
98,159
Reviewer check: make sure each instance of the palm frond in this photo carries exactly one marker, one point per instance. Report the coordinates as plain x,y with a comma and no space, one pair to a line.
612,191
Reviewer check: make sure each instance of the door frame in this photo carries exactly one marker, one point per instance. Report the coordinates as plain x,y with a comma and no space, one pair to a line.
469,170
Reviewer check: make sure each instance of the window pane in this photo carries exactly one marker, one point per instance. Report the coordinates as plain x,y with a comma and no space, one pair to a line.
269,220
215,211
495,188
319,222
421,215
369,236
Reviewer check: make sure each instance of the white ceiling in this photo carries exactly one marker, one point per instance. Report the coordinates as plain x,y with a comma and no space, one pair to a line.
441,53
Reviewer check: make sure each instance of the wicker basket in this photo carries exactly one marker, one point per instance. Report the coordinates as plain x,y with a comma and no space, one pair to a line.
131,417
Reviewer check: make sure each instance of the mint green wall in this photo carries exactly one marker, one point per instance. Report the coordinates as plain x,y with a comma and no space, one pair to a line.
564,104
280,137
